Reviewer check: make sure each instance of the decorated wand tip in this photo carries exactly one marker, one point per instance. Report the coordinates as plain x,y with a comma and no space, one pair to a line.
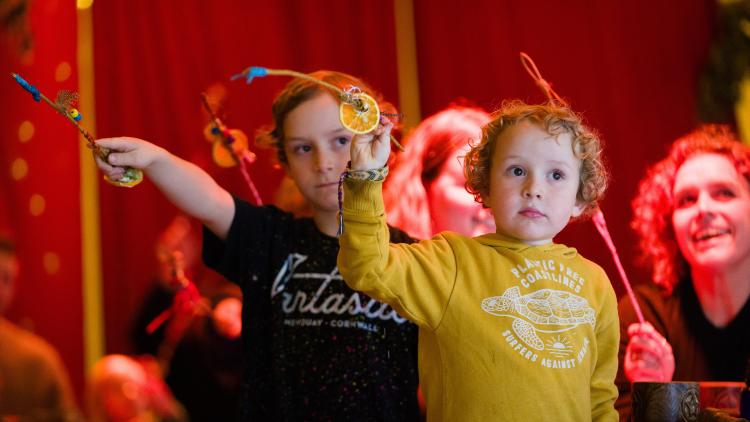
34,91
250,73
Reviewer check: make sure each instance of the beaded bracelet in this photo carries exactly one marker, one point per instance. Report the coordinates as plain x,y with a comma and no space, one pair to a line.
374,175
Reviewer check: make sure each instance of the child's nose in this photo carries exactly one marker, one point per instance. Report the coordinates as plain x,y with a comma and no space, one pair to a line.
323,162
532,189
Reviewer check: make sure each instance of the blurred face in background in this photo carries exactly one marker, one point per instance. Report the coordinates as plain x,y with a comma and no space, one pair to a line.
8,274
117,390
711,217
452,207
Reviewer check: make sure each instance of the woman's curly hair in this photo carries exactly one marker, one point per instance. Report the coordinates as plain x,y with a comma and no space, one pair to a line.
654,203
556,120
300,90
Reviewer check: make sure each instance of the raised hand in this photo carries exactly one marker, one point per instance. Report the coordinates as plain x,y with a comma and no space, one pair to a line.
648,356
371,150
227,318
126,152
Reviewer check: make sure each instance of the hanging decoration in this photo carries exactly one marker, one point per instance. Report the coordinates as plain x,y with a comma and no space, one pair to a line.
229,148
358,111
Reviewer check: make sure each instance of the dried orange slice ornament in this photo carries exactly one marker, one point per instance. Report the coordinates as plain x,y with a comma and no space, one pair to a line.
130,178
362,115
358,111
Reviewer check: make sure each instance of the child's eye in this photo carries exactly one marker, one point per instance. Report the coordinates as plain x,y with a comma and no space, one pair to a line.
516,171
557,175
301,149
342,140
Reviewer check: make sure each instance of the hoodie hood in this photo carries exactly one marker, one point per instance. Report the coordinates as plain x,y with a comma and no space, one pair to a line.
496,240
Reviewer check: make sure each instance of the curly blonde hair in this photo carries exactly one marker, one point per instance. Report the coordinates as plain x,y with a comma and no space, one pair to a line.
654,203
297,91
428,147
556,120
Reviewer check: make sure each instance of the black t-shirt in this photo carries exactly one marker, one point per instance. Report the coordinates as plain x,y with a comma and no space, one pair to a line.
702,352
314,349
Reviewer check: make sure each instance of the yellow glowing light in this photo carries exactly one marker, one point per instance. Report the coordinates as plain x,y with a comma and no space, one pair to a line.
19,169
63,71
25,131
84,4
36,205
51,262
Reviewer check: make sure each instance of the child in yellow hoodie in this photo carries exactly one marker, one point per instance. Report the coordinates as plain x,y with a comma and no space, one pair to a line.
511,325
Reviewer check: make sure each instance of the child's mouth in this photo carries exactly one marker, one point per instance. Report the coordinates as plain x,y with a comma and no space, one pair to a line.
531,213
327,185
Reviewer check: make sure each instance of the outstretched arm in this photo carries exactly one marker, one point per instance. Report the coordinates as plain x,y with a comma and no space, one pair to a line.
186,185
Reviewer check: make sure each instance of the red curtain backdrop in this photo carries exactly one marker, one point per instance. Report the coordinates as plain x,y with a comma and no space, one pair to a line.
153,59
629,67
39,207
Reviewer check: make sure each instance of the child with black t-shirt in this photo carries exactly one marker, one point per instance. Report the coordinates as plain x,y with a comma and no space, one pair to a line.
314,348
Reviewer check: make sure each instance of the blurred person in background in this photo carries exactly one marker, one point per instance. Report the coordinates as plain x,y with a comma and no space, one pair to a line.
692,214
124,389
193,330
426,189
34,384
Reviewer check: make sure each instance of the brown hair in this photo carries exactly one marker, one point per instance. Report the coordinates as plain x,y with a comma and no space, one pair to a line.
300,90
556,120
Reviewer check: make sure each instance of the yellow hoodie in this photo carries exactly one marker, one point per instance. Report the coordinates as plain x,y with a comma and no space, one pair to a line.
508,331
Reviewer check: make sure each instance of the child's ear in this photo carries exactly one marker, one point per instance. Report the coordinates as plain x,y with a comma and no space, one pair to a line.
578,209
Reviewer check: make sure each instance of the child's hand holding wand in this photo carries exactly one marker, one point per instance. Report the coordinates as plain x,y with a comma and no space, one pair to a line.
371,150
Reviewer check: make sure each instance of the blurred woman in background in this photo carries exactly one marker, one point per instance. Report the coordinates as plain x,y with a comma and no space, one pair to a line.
692,214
